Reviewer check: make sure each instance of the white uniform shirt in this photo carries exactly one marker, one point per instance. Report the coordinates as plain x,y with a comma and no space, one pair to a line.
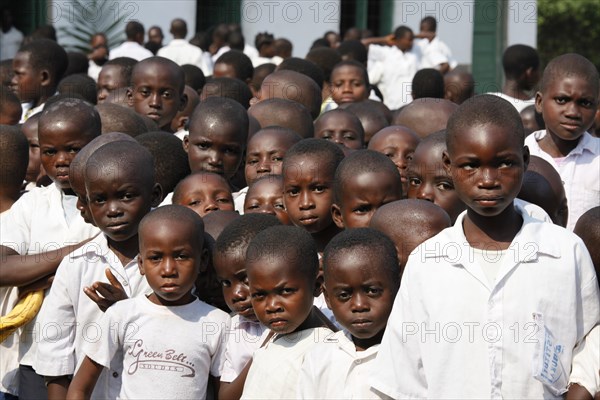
43,219
10,43
276,366
9,348
243,340
168,352
435,53
579,171
452,334
335,370
392,70
182,52
72,317
519,104
239,198
130,49
586,362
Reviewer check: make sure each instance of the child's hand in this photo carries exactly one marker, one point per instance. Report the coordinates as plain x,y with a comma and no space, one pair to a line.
390,39
106,294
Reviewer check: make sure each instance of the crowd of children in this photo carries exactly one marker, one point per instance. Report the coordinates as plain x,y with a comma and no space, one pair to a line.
300,228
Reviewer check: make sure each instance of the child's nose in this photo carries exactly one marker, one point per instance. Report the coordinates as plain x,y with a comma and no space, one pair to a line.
425,192
273,305
168,267
211,205
360,303
306,201
155,100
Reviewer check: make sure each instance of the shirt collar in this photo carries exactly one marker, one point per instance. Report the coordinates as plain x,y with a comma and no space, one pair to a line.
586,143
527,245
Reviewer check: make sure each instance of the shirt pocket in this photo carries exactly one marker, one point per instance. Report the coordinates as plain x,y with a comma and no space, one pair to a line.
547,359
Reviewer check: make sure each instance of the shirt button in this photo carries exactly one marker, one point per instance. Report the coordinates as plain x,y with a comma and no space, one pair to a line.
357,361
115,374
125,284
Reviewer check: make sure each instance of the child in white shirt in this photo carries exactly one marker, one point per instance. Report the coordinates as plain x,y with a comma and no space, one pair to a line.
361,280
493,306
170,342
568,100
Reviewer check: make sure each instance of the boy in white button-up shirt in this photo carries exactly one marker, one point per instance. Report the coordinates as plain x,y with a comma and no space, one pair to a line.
109,257
44,225
493,306
361,280
568,100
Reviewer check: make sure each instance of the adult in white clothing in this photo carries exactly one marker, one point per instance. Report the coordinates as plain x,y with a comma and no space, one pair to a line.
132,47
181,51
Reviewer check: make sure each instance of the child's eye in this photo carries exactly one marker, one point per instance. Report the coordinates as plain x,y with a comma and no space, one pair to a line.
320,188
252,161
445,186
468,166
182,256
349,137
343,296
586,103
98,200
74,150
561,100
49,152
167,94
409,156
288,290
277,159
194,203
258,296
279,206
254,206
231,150
373,291
414,181
292,192
506,164
225,283
203,145
224,200
154,257
363,209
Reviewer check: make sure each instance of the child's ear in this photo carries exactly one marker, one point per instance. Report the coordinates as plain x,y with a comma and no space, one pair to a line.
45,77
204,259
140,264
446,161
130,96
319,286
186,143
326,295
538,102
181,121
157,195
526,157
183,102
336,214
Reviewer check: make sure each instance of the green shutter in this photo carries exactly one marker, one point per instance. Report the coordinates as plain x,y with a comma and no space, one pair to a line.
489,38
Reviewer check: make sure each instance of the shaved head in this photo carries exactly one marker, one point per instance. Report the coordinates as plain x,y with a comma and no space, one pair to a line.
426,115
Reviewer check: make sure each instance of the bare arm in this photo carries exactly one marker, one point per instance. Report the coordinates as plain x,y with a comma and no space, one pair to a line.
383,40
233,390
21,270
577,392
85,380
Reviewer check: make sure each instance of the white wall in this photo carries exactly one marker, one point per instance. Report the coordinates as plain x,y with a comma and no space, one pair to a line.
148,12
455,22
300,21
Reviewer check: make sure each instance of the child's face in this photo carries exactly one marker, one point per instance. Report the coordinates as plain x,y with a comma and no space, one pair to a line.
487,164
216,149
205,193
359,292
568,105
26,79
266,197
362,195
399,146
30,129
170,258
156,93
428,180
118,200
282,297
110,79
59,143
231,274
264,155
348,85
308,193
405,43
338,128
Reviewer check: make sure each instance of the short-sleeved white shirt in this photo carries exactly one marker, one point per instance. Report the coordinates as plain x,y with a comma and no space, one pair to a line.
243,340
579,171
43,219
586,362
276,366
334,369
435,53
392,70
182,52
74,317
130,49
168,352
453,334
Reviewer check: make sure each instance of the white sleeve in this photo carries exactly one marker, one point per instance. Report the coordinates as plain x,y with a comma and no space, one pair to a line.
398,368
377,53
586,362
113,332
15,229
218,358
56,350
